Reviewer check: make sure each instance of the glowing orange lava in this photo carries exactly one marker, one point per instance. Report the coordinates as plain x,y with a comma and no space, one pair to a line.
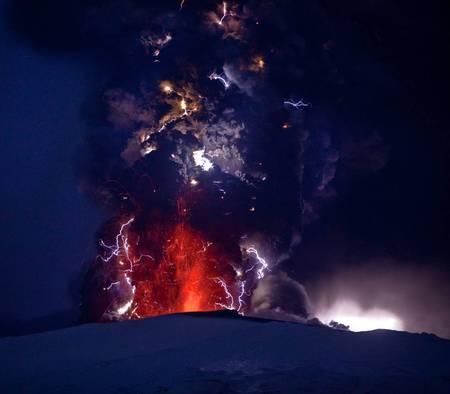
183,278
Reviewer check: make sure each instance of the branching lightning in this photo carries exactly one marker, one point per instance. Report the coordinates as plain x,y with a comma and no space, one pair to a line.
121,247
296,104
263,266
121,244
237,302
228,296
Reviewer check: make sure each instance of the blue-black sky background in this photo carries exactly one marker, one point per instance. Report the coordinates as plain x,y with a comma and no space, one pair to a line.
395,59
47,224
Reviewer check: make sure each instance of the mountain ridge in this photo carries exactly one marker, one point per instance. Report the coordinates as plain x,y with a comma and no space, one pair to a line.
223,353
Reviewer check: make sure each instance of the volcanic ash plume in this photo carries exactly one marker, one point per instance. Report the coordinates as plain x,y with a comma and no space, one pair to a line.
203,168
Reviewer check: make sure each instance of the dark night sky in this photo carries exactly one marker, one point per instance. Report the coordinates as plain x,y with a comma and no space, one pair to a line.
394,58
47,224
397,86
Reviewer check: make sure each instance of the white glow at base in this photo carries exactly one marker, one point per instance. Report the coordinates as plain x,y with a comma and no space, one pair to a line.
350,313
124,308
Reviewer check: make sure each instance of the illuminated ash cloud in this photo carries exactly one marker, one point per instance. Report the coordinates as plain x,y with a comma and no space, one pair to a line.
221,144
155,42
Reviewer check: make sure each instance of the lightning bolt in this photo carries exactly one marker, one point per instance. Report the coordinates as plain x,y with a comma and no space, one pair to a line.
231,305
228,296
296,104
121,242
220,77
242,292
121,247
225,13
263,266
112,284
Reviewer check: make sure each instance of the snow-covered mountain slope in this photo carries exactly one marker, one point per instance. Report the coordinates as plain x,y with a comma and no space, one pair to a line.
221,353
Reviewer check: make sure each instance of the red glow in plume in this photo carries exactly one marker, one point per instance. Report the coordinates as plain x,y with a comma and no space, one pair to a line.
169,267
184,277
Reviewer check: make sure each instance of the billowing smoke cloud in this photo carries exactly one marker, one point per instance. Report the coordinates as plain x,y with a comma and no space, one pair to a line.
279,297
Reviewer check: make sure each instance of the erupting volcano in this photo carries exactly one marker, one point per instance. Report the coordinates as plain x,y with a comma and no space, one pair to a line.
168,267
200,172
160,263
